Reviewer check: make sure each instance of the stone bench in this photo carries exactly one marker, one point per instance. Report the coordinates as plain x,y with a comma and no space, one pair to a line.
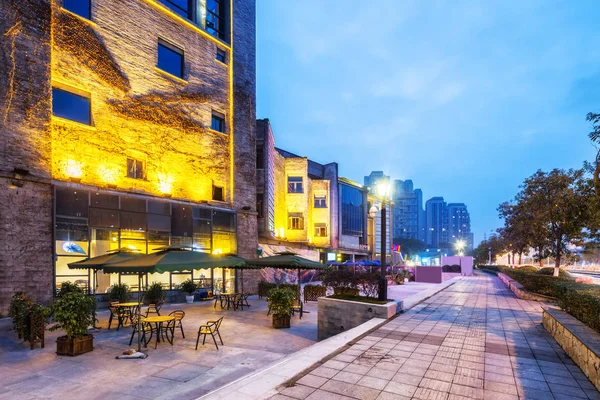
579,341
521,292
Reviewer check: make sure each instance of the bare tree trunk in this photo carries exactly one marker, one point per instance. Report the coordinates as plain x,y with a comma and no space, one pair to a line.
508,258
541,260
520,257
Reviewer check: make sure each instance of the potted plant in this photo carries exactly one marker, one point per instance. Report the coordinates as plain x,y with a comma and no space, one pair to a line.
155,294
280,302
74,312
119,292
188,286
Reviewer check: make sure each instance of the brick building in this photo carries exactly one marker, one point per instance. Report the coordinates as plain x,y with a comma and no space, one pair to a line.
124,123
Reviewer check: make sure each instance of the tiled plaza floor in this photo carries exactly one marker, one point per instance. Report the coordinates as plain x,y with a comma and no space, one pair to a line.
473,340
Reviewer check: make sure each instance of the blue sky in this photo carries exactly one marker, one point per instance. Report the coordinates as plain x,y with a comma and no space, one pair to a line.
466,98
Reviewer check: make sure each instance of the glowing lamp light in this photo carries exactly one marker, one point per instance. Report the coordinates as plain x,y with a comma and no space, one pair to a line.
281,232
165,183
73,169
107,174
218,251
383,188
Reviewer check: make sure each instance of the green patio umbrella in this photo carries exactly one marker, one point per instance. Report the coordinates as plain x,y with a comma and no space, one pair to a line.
169,259
285,260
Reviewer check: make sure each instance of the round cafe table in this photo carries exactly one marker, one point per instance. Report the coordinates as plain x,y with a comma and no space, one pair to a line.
129,306
158,326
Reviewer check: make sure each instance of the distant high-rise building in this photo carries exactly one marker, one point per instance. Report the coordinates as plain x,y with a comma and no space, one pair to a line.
459,224
435,211
376,178
408,211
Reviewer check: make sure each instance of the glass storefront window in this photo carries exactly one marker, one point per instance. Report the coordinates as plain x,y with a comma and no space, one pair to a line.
63,273
224,243
203,278
131,281
230,280
164,279
72,202
157,241
103,241
202,236
218,280
178,278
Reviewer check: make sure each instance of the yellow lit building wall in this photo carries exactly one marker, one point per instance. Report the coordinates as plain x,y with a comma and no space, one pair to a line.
297,203
320,215
139,111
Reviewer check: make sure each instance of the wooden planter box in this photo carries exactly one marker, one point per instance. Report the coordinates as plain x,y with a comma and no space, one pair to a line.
281,321
75,347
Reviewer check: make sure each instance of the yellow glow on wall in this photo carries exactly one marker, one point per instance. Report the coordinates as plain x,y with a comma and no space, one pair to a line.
165,182
73,169
108,174
281,233
218,251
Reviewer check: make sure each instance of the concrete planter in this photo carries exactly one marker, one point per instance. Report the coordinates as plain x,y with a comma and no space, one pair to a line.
521,292
336,316
189,299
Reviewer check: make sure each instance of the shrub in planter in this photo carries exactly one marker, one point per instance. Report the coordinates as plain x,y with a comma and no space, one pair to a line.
527,268
189,287
281,301
341,282
550,271
74,313
455,268
155,294
68,287
18,311
292,286
368,284
119,292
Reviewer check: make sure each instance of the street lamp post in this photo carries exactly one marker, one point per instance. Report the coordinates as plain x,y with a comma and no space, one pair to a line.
382,189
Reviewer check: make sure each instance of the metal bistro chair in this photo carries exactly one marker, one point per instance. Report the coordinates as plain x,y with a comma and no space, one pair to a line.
242,301
146,328
297,307
211,328
119,313
154,308
178,314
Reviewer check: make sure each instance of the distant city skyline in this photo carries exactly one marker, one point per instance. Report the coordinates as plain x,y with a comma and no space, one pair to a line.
467,99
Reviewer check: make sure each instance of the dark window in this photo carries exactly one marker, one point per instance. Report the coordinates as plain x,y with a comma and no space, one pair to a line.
104,218
181,220
181,7
170,59
320,201
202,213
217,123
159,207
72,203
295,184
218,193
133,221
215,21
295,221
352,211
320,230
160,223
260,158
72,230
71,106
79,7
259,204
224,221
103,200
133,204
135,168
222,56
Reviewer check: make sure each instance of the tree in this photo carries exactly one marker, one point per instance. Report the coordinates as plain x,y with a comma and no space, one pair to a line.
494,245
594,136
521,229
558,204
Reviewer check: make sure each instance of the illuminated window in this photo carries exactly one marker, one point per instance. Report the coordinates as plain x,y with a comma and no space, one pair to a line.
295,221
71,106
170,59
136,168
217,123
221,56
181,7
320,201
215,21
320,230
79,7
295,184
218,193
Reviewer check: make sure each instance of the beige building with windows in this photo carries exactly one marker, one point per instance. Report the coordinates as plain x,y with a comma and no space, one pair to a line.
125,123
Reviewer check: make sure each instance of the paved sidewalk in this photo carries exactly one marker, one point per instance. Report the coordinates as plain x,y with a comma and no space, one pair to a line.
474,340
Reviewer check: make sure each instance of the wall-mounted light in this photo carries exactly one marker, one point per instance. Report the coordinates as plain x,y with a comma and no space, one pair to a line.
108,175
165,183
74,169
217,251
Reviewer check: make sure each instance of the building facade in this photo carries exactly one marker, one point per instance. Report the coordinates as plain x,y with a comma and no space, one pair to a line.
435,210
447,224
459,224
408,211
126,123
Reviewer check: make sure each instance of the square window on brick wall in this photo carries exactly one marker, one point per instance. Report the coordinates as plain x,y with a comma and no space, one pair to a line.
71,106
136,169
79,7
170,58
218,193
217,122
221,56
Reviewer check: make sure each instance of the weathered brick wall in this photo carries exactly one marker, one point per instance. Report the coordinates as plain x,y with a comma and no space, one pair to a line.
138,109
244,115
25,199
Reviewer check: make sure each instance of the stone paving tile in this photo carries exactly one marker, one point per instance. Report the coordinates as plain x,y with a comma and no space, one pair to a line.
473,340
298,391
